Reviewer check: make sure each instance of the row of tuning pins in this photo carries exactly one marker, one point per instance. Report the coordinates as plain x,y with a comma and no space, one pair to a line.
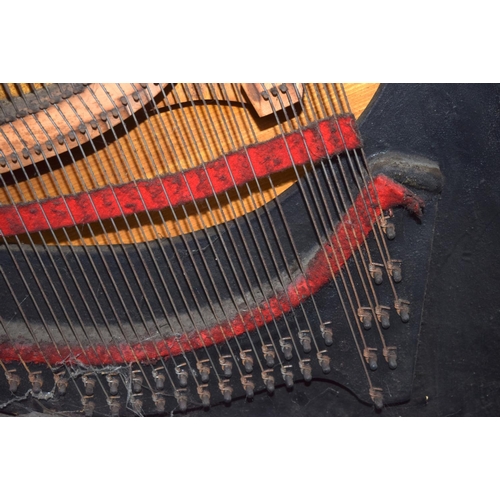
248,363
36,380
382,315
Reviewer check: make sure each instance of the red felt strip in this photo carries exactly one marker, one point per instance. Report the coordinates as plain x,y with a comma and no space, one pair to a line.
325,138
350,232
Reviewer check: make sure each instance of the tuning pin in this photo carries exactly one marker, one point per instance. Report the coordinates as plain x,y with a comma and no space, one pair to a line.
114,405
89,383
326,333
248,385
394,269
88,406
204,395
268,378
286,347
391,356
204,369
136,403
370,355
376,272
181,397
382,313
305,340
159,378
388,227
159,402
36,381
306,369
269,354
390,230
403,309
247,360
377,397
137,380
61,383
365,316
324,361
287,376
13,379
113,383
226,365
226,390
182,375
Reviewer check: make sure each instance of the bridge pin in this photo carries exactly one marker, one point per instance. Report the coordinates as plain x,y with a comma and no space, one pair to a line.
269,354
113,383
306,369
391,356
88,384
182,375
287,348
159,378
370,355
324,361
248,385
182,400
13,379
287,376
88,406
326,333
226,365
204,370
204,394
226,390
247,360
305,340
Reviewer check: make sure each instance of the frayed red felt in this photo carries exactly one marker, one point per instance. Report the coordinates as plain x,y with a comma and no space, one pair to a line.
349,232
328,137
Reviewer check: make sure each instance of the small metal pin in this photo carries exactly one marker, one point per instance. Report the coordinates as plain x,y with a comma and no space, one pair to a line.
204,395
305,369
226,365
326,333
137,380
113,383
365,316
159,402
305,340
159,378
181,397
88,383
226,390
391,356
376,272
403,309
247,360
269,354
370,355
204,369
13,379
61,383
248,385
382,313
114,406
88,406
137,403
268,379
286,347
287,374
377,397
324,361
182,375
